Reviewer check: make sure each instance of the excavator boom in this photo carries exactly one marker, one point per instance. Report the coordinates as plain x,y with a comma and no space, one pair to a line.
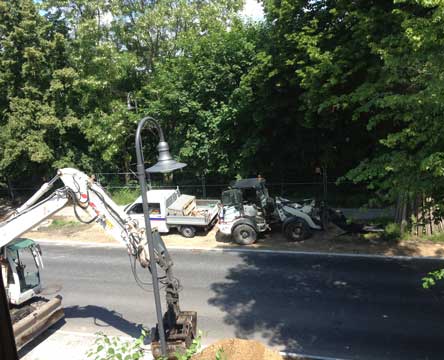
23,222
91,203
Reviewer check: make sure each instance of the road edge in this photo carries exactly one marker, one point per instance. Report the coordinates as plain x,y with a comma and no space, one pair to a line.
148,355
240,251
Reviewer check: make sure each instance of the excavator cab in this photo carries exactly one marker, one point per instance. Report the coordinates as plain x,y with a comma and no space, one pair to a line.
22,261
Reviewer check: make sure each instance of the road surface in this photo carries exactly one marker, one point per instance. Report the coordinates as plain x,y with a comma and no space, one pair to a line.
335,306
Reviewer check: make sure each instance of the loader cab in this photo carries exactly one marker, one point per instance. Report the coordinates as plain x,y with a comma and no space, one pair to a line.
232,204
232,197
245,197
255,192
22,261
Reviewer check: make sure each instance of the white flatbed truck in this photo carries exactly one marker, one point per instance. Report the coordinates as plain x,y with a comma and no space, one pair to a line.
169,209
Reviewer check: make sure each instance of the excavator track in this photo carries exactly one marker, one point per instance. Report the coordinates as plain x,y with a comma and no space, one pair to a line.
30,320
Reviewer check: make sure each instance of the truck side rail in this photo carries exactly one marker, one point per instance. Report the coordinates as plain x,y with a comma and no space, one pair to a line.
188,220
211,210
207,202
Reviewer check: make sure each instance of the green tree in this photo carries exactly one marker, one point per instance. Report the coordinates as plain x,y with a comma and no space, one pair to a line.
195,93
38,130
118,58
312,57
405,108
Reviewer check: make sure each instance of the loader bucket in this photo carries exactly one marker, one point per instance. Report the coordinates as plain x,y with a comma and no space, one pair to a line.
179,338
41,317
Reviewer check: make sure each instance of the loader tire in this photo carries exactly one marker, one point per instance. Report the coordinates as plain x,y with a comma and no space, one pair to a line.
297,230
244,234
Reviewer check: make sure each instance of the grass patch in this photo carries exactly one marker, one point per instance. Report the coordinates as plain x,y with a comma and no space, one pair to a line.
392,232
439,238
380,221
124,196
61,223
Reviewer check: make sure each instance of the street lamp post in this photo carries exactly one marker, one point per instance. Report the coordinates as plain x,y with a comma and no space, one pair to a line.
165,164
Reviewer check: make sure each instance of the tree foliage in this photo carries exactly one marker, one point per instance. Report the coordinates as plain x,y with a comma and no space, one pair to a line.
38,129
406,103
352,85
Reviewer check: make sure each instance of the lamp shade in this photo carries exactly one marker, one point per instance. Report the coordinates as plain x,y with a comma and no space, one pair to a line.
165,162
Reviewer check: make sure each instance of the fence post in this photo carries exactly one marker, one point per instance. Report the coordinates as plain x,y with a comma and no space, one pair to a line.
204,188
10,189
325,184
148,181
282,184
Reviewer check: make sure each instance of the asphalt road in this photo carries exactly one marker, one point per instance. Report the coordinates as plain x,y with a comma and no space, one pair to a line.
333,306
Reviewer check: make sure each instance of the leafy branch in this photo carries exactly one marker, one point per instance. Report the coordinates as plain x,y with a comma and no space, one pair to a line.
434,276
114,348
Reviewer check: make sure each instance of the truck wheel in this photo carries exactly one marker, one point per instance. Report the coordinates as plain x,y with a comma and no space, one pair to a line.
297,230
187,231
244,234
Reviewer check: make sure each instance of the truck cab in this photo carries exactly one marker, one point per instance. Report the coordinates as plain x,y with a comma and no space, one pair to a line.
158,203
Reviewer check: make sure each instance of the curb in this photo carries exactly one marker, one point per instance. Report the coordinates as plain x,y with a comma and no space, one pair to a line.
148,355
294,356
240,251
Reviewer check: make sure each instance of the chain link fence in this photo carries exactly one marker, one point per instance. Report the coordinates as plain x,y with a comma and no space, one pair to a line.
344,194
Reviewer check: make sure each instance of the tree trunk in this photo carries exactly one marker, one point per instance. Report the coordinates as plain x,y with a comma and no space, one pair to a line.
417,214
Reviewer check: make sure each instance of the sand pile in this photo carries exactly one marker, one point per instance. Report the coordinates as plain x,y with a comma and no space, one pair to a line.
237,349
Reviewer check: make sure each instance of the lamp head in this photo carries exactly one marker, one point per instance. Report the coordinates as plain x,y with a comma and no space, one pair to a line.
165,162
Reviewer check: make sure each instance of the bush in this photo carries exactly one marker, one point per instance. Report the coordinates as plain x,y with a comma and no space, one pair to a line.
432,278
439,237
125,196
114,348
193,349
392,232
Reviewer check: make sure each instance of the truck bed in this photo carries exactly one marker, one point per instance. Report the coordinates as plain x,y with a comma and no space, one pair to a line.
210,207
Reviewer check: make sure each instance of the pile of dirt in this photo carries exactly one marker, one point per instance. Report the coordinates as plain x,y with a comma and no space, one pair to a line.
237,349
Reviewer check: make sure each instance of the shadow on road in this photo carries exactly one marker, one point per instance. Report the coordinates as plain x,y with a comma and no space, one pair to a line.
104,318
100,316
351,308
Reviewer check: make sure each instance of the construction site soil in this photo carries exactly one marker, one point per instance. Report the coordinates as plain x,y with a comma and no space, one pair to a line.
235,349
67,228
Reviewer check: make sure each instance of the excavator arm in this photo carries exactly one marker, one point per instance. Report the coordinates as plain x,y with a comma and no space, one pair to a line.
91,203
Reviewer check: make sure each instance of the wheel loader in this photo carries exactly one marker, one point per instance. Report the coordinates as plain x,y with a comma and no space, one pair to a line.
248,210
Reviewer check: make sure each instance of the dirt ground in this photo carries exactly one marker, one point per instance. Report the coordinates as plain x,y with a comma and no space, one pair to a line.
5,208
237,349
333,240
